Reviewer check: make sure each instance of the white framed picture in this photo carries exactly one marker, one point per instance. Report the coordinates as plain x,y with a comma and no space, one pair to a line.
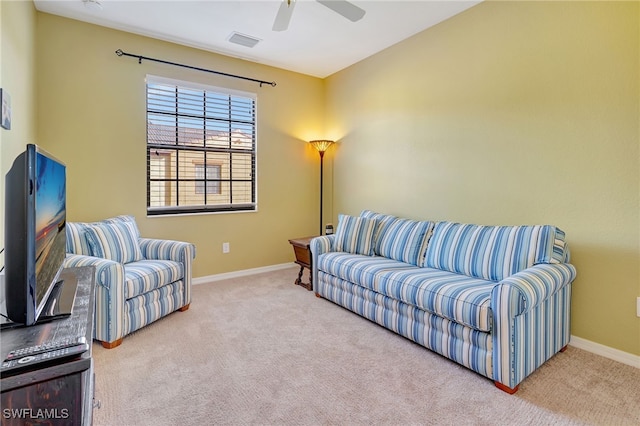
5,100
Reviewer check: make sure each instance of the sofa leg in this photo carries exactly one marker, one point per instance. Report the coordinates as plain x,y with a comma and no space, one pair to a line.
564,348
184,308
317,295
111,345
506,388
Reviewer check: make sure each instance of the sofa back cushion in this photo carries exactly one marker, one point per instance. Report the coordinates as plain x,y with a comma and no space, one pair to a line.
400,239
493,252
355,235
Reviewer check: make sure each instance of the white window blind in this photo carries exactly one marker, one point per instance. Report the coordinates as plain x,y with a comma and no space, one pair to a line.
201,148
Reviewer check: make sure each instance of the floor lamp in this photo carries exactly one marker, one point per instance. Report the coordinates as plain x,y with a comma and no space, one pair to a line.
321,146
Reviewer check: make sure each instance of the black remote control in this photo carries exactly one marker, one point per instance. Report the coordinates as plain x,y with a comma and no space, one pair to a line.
15,365
44,347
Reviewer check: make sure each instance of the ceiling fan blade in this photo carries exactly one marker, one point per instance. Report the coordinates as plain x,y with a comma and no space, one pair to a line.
344,8
284,15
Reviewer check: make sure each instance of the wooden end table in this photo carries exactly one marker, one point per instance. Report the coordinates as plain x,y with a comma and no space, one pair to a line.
303,258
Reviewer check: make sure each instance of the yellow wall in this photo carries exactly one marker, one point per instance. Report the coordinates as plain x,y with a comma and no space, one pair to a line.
17,77
510,113
91,113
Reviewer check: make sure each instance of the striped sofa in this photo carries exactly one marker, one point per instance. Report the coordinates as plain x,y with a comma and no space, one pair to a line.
138,280
495,299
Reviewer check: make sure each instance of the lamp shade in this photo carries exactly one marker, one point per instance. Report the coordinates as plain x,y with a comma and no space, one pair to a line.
321,145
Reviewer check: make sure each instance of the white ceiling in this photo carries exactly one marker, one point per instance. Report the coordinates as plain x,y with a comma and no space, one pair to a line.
318,42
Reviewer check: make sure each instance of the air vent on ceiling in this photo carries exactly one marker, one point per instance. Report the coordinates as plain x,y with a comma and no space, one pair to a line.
243,40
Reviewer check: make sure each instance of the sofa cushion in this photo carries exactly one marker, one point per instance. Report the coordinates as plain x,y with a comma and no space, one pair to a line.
355,235
355,267
145,275
400,239
117,241
492,252
460,298
381,219
404,240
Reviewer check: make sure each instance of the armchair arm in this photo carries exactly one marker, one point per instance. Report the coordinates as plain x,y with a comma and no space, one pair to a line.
178,251
529,288
109,309
108,271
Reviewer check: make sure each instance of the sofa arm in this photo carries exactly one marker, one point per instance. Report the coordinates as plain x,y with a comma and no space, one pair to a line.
109,301
318,246
521,292
531,314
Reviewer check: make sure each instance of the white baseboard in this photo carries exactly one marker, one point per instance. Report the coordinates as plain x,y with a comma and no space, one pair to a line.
577,342
605,351
243,273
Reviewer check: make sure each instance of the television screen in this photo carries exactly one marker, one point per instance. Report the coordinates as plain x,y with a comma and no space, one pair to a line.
50,219
35,234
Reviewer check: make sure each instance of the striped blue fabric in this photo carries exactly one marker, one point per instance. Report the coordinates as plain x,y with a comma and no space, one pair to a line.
524,334
491,252
76,238
460,298
146,275
153,305
382,220
177,251
400,239
495,299
466,346
404,240
355,234
133,295
358,268
109,294
525,338
115,241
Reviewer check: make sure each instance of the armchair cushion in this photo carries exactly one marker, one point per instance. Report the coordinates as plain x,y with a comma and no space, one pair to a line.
145,275
117,241
76,233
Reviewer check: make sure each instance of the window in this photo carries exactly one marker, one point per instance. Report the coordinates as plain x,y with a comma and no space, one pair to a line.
212,179
201,148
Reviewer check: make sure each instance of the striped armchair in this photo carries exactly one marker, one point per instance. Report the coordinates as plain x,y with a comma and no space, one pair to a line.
138,280
495,299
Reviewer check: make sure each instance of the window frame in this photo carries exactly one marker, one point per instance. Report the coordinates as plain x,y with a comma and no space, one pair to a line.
250,155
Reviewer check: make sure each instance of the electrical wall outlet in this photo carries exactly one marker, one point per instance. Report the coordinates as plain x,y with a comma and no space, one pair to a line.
638,307
225,247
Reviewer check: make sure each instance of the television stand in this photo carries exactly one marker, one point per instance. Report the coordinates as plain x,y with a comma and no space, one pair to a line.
59,392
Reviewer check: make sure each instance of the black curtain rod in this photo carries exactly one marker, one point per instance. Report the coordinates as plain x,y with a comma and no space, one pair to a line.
119,52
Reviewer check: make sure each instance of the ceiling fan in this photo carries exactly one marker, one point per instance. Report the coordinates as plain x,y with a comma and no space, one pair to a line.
341,7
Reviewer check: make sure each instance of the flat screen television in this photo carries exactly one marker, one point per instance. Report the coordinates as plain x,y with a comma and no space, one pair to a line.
35,235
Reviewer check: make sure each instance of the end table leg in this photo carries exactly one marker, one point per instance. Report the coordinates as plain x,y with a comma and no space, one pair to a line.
299,279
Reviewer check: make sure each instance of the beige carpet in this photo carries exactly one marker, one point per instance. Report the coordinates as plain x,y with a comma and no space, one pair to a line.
260,350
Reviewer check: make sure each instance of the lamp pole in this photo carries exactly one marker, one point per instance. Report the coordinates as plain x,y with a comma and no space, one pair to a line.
321,188
321,146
